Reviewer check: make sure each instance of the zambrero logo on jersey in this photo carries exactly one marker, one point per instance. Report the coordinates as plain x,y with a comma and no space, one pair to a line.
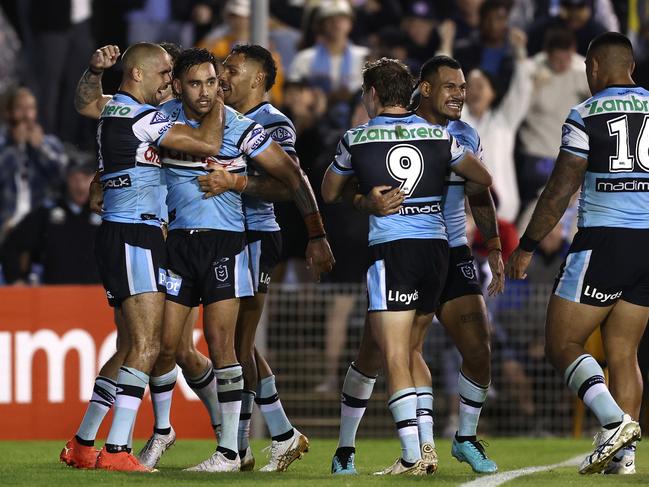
618,105
403,298
379,134
592,292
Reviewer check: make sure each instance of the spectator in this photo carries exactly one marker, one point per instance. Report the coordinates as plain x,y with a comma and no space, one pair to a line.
641,74
466,17
9,47
490,49
559,84
576,15
497,125
334,63
63,43
419,25
58,237
158,21
546,262
372,16
31,162
524,12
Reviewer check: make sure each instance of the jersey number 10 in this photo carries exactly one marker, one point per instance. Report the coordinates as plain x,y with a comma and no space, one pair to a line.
623,160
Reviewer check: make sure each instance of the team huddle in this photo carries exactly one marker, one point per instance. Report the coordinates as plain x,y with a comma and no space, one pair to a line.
191,158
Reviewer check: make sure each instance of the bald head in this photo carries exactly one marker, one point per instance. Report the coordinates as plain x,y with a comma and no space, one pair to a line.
609,61
147,72
141,55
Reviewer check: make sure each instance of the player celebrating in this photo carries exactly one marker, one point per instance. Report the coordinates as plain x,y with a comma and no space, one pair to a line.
208,261
248,73
604,149
130,238
409,249
440,97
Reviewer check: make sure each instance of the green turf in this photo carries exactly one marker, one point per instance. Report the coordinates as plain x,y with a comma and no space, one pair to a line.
36,463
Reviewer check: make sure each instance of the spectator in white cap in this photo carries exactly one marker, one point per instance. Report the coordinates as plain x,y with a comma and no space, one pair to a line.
333,64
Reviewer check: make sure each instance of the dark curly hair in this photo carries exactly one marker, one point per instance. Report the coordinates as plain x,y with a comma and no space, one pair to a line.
193,57
263,57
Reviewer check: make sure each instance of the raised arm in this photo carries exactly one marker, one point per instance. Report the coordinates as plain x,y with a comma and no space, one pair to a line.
89,99
565,180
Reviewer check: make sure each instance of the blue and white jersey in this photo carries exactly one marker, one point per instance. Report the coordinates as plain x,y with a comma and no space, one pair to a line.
402,151
454,210
611,131
260,214
128,134
171,108
242,138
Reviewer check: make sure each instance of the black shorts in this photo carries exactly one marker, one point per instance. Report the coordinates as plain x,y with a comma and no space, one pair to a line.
462,278
406,274
265,249
605,264
205,266
131,259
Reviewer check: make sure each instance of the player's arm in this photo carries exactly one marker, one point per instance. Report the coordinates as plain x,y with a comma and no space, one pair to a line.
566,178
278,164
203,141
472,169
89,99
484,214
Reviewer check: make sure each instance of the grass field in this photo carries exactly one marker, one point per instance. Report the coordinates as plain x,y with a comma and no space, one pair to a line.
36,463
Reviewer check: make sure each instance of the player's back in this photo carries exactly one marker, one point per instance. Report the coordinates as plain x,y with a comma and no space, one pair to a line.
611,131
187,207
401,151
260,214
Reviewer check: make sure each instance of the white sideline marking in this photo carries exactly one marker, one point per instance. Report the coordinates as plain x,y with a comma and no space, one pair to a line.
500,478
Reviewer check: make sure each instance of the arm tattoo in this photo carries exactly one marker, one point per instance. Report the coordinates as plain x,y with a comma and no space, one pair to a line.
566,178
484,214
268,188
304,197
88,90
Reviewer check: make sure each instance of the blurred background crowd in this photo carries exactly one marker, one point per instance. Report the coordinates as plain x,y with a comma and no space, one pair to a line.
524,65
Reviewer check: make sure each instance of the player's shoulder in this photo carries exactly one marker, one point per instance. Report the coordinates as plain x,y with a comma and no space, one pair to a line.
172,108
614,99
234,118
269,117
465,132
352,134
123,105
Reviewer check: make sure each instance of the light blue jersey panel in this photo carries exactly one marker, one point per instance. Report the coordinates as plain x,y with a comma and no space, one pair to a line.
128,134
260,214
611,132
454,211
188,209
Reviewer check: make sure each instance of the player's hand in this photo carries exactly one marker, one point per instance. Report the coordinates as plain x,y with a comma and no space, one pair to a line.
96,200
218,181
104,57
497,284
383,201
319,257
518,263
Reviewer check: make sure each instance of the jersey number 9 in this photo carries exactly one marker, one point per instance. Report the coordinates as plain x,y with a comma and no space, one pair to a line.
405,164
